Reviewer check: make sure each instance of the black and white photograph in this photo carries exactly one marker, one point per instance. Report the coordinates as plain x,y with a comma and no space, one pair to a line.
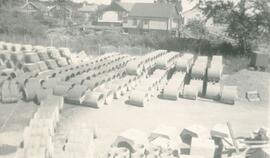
134,78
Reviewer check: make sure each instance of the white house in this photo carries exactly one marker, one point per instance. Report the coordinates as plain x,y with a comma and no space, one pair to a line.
146,17
114,14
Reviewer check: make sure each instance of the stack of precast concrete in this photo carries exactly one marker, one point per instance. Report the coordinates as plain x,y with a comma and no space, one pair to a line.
156,65
79,142
22,64
205,82
174,87
198,73
37,137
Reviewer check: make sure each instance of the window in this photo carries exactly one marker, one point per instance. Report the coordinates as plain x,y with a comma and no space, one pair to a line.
146,22
135,21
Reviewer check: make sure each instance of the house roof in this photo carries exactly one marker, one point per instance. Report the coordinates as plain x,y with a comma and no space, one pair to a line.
125,6
118,6
36,4
154,10
57,7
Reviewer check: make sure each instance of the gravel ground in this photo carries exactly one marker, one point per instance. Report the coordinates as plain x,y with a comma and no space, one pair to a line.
246,80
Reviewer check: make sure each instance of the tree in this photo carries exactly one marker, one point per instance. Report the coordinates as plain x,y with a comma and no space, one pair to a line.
198,29
247,20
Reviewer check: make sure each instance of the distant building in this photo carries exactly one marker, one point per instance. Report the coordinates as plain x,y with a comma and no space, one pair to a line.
88,10
145,17
61,12
34,7
114,14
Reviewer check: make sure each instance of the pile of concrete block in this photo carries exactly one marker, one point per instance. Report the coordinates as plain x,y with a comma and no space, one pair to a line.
204,82
199,68
216,69
174,87
130,143
38,136
185,62
79,142
164,141
150,87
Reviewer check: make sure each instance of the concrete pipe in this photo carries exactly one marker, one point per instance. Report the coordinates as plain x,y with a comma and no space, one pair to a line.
45,75
202,59
199,85
27,48
108,94
77,79
31,67
16,57
43,55
134,67
10,64
31,86
76,95
54,54
94,99
128,80
42,94
124,89
213,91
190,92
7,46
5,55
183,65
228,94
39,123
40,49
171,91
53,100
51,64
63,76
61,90
65,52
9,73
31,58
92,83
198,71
138,98
14,88
48,112
36,142
115,88
62,61
42,66
217,60
5,92
214,74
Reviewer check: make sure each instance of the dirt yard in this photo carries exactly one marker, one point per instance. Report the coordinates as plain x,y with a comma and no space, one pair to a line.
117,117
